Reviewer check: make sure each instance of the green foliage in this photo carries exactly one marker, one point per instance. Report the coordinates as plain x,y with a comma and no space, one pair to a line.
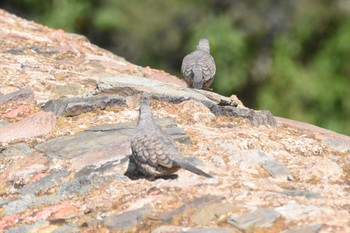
291,57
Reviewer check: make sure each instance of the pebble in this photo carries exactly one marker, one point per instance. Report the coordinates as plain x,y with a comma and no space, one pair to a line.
277,170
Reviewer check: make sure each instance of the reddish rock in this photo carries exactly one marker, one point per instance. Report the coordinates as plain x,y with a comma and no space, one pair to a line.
319,132
38,124
163,76
7,221
63,212
20,110
22,170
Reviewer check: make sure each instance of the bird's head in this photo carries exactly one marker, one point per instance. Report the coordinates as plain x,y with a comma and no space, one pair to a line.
203,44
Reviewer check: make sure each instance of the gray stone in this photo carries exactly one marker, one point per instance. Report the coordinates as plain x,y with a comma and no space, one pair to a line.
206,199
102,168
24,93
131,85
166,124
20,149
301,193
127,219
101,138
44,183
76,106
307,229
98,159
28,228
277,170
80,185
340,144
218,99
261,217
28,202
263,117
81,143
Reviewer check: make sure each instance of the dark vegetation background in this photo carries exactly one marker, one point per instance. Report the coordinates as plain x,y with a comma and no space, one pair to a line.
291,57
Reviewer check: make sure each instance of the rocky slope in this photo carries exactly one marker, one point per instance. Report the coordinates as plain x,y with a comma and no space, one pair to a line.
67,110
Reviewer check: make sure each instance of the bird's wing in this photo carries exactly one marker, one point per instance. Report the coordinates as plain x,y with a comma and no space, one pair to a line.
153,149
208,66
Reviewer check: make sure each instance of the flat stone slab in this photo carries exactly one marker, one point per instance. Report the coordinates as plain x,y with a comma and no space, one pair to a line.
24,93
76,106
276,169
101,140
116,152
131,85
340,144
18,149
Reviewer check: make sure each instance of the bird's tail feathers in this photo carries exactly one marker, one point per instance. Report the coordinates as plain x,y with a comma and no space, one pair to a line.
197,78
189,167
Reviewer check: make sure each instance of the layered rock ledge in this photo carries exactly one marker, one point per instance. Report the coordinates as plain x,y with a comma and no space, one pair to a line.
67,111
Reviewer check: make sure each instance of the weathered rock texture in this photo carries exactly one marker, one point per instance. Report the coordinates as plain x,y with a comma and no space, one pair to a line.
63,170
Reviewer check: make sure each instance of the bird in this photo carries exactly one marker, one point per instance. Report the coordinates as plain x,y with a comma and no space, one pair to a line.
154,153
198,68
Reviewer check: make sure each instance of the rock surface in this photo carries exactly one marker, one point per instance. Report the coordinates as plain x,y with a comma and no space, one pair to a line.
37,125
63,169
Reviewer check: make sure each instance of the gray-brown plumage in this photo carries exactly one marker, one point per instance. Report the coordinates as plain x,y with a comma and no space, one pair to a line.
198,68
154,153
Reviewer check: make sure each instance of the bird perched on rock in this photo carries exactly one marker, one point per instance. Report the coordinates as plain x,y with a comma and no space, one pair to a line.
198,68
154,153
